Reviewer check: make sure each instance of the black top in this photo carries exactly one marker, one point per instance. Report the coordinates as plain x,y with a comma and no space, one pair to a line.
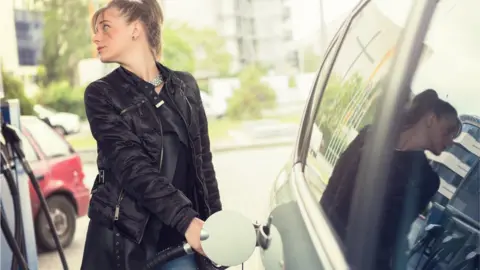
177,162
411,185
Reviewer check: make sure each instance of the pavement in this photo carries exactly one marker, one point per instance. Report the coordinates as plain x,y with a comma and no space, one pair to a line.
245,179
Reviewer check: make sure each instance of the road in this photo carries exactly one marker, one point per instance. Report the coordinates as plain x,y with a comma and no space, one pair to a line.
245,180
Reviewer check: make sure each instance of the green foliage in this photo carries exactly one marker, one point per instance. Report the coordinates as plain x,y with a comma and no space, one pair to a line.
195,50
203,85
60,96
252,97
67,39
14,90
177,52
210,49
311,60
292,82
335,101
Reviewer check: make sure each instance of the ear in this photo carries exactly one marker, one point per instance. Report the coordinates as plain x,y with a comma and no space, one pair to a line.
136,29
431,118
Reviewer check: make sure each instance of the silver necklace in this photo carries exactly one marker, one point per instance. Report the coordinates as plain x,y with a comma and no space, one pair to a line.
157,81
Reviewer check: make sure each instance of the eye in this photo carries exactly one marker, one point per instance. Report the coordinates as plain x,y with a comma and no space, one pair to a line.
105,27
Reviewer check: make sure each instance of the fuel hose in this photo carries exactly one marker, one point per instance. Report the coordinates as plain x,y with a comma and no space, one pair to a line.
11,138
16,241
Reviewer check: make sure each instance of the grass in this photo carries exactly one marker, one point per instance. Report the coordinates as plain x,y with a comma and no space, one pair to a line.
294,118
218,130
82,142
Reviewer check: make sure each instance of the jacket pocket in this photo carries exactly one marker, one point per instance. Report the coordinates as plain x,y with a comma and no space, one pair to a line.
130,218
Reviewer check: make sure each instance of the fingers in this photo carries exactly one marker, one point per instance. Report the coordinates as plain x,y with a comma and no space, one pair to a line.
200,250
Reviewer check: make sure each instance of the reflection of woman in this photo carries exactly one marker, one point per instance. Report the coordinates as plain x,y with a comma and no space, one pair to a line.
429,124
156,181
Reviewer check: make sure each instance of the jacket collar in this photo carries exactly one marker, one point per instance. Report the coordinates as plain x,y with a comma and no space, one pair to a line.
168,76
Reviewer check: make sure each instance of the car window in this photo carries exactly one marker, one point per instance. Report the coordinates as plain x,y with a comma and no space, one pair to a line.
50,142
347,102
448,65
28,149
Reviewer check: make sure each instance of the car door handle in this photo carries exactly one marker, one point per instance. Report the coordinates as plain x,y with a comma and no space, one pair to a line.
40,177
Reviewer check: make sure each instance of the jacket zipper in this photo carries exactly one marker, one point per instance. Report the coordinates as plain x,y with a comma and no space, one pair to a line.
150,108
117,207
134,106
116,215
193,149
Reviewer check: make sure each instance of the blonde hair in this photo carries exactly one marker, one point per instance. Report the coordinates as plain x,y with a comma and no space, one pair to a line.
149,12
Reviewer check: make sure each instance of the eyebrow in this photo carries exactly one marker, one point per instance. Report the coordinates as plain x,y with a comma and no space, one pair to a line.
103,21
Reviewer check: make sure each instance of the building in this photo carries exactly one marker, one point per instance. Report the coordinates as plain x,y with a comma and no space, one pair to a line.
255,30
20,51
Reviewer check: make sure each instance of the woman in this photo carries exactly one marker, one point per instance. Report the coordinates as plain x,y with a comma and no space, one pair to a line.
156,183
429,124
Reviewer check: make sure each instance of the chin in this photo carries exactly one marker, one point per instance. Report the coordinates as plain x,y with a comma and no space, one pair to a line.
106,60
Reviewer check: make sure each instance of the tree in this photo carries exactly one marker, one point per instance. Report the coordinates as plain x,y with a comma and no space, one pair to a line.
335,102
67,39
61,96
177,52
252,97
311,60
14,90
209,48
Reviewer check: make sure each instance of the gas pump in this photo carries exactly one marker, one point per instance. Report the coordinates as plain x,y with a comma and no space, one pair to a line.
11,115
17,242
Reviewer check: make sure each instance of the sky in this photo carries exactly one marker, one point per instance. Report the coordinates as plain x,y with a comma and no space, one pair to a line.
306,17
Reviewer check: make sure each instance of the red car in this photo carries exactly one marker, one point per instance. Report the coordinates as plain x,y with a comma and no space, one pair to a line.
60,174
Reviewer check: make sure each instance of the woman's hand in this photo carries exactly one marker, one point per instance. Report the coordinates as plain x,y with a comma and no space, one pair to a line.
192,235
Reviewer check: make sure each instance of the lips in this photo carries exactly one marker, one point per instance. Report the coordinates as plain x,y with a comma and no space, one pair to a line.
99,49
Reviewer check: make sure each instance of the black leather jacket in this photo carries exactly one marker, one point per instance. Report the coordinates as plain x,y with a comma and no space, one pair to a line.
131,190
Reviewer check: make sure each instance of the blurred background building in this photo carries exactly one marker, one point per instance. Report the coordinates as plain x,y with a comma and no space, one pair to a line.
255,30
273,33
21,47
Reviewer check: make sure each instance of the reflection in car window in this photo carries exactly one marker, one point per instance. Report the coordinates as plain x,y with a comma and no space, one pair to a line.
50,142
346,105
452,70
28,150
449,65
467,196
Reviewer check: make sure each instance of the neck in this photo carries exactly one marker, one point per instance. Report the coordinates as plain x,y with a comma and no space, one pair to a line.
411,139
143,65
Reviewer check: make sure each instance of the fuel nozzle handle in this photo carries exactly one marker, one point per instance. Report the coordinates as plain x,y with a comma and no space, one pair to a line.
11,137
263,234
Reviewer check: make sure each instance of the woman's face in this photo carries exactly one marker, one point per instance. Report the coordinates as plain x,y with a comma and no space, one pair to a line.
113,35
442,131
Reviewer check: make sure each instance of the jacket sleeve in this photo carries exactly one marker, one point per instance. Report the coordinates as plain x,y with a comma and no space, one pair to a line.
139,176
207,166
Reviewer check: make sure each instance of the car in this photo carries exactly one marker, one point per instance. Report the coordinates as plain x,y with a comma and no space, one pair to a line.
63,122
59,171
214,109
384,53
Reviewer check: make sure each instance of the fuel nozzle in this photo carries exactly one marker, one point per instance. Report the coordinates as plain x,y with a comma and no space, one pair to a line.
263,234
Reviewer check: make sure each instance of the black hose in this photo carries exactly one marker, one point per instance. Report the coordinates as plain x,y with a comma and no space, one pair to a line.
12,138
17,254
164,256
17,209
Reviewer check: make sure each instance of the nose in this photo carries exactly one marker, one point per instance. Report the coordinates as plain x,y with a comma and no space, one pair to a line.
96,38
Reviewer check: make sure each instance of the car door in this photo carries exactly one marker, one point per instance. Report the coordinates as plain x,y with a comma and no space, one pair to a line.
380,38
